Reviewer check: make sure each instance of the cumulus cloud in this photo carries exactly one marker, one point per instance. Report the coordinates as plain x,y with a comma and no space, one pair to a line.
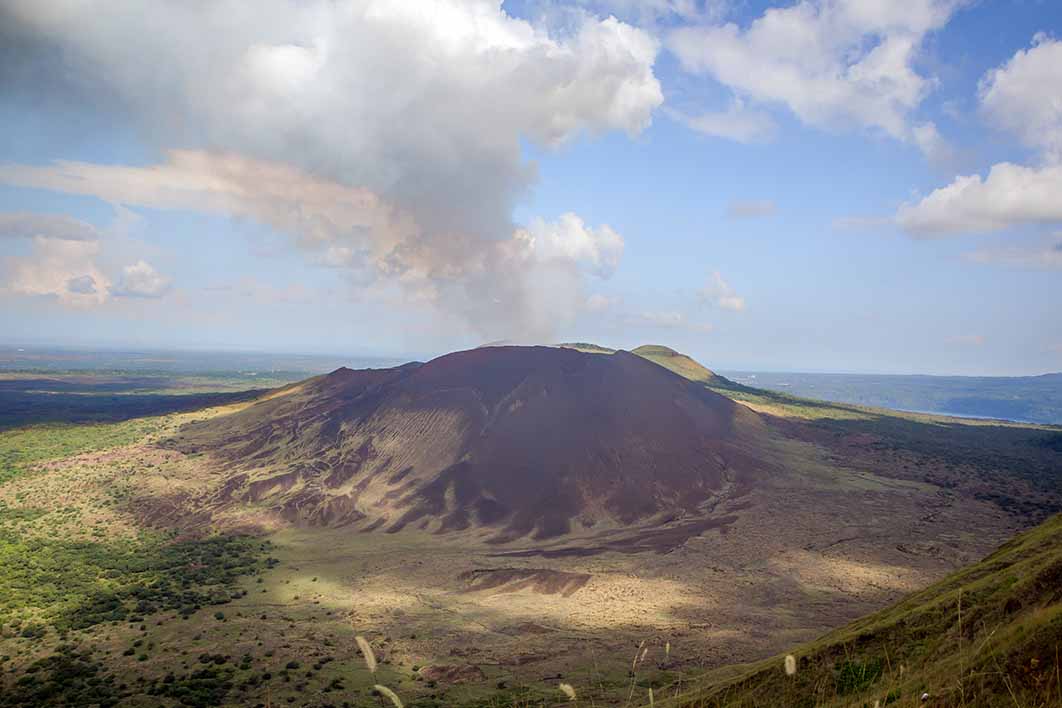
738,122
1010,195
751,208
60,263
63,269
1024,96
833,63
569,238
412,114
719,293
142,280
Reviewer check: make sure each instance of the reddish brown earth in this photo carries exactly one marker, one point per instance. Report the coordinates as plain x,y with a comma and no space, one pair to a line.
524,441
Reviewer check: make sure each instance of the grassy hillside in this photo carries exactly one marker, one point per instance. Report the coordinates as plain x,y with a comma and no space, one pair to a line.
666,357
989,635
679,363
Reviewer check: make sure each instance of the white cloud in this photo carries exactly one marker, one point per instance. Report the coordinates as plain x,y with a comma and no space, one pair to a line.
932,144
751,208
1011,195
142,280
568,238
833,63
64,269
411,113
534,278
61,262
719,293
315,210
1024,96
738,123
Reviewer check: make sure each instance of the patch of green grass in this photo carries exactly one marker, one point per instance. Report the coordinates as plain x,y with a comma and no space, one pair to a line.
679,363
74,585
22,448
989,635
857,676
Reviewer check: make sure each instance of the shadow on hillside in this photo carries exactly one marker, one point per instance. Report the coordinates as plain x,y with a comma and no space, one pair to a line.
29,407
986,457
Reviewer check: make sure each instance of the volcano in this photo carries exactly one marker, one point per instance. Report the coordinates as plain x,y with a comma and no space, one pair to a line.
521,442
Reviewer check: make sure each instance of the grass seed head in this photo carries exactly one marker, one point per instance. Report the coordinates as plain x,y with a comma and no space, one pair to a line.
366,651
391,695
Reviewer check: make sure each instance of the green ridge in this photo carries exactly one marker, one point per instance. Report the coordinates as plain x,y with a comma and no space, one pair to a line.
679,363
988,635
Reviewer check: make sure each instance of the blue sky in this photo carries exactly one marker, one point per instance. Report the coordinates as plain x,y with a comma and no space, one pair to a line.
819,186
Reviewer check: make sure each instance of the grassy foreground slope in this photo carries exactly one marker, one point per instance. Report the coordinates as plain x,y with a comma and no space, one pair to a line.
988,635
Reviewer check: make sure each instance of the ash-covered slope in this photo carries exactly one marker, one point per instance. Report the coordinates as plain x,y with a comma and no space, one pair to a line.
524,440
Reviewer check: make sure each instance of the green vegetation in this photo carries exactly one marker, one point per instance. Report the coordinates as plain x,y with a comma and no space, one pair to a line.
22,448
680,364
68,677
74,585
74,677
989,635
